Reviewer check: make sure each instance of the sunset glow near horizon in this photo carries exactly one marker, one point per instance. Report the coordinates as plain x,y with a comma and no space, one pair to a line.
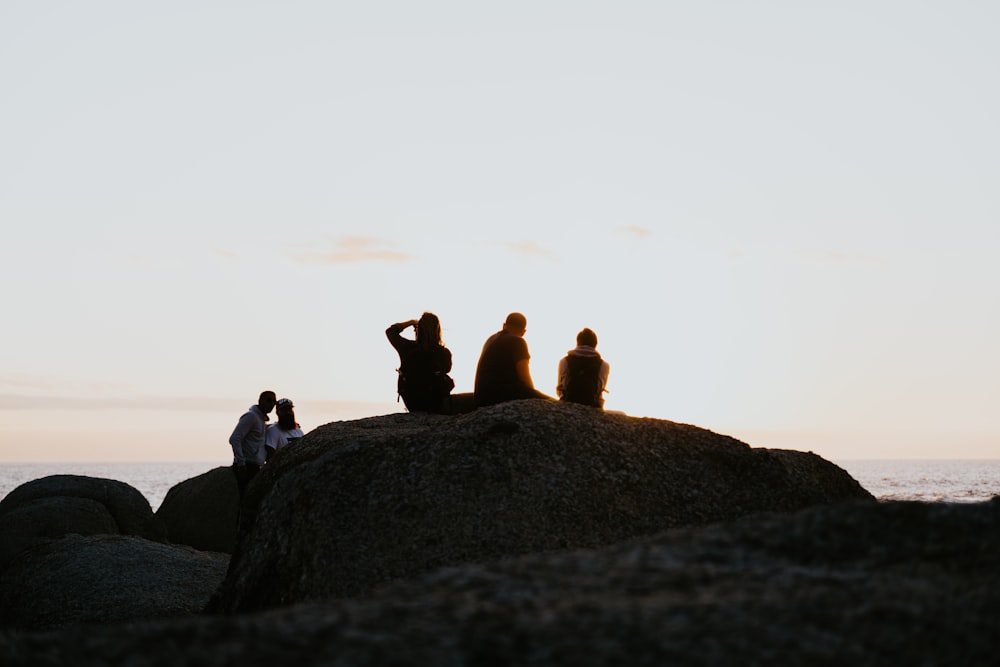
780,220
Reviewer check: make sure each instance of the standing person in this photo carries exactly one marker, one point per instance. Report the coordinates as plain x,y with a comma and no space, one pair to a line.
285,432
502,373
582,373
424,364
247,440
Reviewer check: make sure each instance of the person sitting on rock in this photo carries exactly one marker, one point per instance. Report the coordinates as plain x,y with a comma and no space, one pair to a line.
247,440
285,432
424,364
583,375
503,373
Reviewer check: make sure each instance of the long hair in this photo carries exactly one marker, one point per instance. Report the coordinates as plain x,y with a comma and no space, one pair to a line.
428,331
286,419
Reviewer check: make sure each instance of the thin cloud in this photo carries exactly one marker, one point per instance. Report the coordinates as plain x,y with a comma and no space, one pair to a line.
354,249
225,254
52,384
835,257
636,230
36,382
528,249
235,406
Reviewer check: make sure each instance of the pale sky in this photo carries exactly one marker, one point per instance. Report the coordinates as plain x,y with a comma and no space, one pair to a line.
781,218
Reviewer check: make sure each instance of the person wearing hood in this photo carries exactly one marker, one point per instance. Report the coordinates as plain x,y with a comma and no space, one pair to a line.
247,440
583,375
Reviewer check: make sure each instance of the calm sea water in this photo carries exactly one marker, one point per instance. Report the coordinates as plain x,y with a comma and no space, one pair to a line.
153,480
953,481
957,481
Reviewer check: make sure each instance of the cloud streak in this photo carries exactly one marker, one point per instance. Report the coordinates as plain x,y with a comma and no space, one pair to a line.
353,250
835,257
636,230
181,404
527,249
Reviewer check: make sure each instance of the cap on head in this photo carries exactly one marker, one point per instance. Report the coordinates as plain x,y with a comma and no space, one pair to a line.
285,403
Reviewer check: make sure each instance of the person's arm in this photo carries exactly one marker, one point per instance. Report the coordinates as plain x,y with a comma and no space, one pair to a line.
271,437
243,427
524,374
603,375
392,333
561,380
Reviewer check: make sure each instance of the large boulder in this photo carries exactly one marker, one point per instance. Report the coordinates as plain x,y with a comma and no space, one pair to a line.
105,578
53,506
356,504
201,512
864,584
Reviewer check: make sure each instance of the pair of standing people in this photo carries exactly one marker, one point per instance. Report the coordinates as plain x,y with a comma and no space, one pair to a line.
502,373
254,441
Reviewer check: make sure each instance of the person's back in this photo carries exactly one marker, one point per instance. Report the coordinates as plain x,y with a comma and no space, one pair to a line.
582,373
424,364
502,372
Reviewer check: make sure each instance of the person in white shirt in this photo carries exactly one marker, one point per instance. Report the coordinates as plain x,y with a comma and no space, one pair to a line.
283,433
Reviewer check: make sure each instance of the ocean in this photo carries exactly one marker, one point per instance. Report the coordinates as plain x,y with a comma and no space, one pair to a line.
932,480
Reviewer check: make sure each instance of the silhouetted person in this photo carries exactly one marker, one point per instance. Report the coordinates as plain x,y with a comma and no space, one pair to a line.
502,373
582,373
285,432
424,364
247,440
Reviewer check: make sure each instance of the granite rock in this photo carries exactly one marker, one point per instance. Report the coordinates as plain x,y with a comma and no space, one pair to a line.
863,584
201,512
57,505
355,505
105,579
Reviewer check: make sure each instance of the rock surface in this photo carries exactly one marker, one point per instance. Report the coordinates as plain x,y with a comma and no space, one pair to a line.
106,578
855,584
57,505
201,512
357,504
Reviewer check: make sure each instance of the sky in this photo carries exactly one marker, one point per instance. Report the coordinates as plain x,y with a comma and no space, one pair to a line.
781,218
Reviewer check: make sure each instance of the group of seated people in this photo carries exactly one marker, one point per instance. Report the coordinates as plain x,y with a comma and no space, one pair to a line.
502,373
425,386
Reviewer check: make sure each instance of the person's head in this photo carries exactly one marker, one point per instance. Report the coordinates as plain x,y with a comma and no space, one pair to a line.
266,401
587,337
428,330
286,414
516,324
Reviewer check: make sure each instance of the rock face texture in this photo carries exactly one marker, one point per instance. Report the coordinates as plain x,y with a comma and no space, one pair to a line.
201,512
357,504
853,584
105,578
57,505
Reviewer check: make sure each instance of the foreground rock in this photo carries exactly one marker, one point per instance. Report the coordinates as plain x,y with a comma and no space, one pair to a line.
201,512
53,506
106,578
859,584
357,504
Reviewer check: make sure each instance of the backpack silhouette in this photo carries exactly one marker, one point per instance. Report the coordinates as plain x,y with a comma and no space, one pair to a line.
422,384
582,383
